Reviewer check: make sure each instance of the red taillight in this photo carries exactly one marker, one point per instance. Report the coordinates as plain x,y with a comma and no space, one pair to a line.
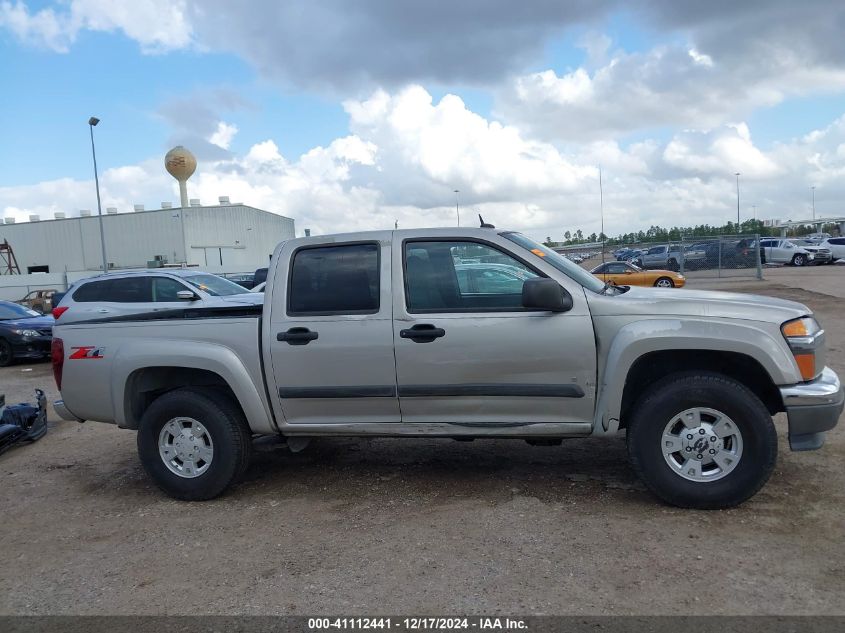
59,311
57,355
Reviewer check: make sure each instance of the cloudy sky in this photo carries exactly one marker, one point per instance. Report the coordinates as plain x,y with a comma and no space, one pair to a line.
354,115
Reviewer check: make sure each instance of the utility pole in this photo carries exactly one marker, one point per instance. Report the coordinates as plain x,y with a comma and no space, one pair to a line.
737,201
457,210
91,123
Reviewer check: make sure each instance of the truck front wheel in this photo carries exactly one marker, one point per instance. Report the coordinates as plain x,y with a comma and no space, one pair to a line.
702,440
194,443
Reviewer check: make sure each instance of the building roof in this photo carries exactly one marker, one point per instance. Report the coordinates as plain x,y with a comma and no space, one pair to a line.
233,206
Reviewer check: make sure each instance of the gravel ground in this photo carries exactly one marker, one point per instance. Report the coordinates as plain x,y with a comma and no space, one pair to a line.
414,526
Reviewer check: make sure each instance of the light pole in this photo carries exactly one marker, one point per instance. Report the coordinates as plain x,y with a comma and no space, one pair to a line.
91,123
813,194
601,212
737,201
457,210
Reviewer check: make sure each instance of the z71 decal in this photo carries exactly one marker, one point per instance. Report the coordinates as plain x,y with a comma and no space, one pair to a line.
82,353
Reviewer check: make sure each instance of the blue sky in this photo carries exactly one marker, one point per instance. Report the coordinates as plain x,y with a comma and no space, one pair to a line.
665,97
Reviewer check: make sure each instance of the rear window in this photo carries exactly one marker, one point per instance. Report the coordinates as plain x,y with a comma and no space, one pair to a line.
335,280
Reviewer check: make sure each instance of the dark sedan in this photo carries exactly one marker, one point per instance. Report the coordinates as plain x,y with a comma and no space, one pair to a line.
24,333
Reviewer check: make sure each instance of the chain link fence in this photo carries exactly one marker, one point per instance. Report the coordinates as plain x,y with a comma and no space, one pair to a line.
699,256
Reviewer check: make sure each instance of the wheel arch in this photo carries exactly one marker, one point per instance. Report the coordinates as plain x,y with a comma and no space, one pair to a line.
654,366
645,351
144,372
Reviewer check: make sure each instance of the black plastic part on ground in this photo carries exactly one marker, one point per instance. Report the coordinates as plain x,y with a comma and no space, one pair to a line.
23,422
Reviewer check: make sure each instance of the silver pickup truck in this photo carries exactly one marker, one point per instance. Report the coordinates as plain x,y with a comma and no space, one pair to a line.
388,334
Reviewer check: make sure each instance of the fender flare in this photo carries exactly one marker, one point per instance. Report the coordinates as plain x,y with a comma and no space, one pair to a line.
141,354
653,335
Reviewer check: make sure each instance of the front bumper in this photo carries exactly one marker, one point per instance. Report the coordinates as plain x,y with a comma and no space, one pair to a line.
32,347
813,408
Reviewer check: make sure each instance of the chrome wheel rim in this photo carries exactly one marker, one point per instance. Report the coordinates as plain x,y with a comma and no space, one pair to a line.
185,447
663,283
701,444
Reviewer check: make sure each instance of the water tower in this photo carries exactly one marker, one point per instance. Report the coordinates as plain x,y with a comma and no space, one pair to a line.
181,164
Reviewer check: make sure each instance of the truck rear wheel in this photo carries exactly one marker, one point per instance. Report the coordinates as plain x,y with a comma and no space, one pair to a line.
194,443
702,440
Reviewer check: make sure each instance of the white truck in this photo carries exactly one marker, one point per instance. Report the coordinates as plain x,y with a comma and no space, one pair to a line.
376,334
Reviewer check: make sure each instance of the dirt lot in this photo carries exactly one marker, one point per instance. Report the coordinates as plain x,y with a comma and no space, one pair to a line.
416,526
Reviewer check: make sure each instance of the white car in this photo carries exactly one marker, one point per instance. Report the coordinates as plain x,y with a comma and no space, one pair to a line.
836,245
820,254
781,251
139,291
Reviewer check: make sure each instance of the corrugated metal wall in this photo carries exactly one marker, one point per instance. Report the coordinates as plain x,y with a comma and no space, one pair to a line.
132,239
242,237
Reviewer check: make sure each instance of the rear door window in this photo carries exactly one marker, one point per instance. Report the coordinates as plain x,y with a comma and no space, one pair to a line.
123,290
329,280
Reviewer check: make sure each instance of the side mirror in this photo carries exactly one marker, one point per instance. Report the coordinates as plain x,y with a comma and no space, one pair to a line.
545,294
186,295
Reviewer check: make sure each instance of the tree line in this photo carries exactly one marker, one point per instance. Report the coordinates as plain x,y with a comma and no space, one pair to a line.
674,234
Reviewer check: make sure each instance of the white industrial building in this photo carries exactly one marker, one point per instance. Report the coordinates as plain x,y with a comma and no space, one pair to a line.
221,238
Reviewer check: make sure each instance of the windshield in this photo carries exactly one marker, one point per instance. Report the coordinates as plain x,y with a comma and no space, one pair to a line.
10,311
215,286
568,268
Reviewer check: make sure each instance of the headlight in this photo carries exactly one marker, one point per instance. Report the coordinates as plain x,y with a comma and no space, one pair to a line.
26,332
802,335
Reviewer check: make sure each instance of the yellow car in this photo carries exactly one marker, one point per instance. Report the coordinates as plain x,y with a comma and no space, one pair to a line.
625,274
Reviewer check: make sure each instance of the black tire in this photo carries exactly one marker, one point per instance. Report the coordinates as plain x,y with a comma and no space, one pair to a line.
799,260
229,432
657,283
7,356
682,391
673,265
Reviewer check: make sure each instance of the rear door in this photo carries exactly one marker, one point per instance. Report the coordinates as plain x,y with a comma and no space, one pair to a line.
111,297
482,359
331,334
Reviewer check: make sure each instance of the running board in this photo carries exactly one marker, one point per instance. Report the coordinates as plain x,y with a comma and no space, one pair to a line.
400,429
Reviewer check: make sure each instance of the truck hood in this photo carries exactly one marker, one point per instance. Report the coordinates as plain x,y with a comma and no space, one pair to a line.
663,302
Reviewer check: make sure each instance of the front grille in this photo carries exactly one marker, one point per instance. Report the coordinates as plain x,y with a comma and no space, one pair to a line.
47,332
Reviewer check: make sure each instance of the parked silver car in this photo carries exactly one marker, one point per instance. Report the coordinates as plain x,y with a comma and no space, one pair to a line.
139,291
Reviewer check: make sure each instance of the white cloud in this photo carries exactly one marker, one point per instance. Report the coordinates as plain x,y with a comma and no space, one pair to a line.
665,86
405,154
223,135
451,147
157,25
43,28
724,150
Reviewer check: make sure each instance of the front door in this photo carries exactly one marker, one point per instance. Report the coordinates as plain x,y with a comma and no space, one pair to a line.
331,335
470,354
